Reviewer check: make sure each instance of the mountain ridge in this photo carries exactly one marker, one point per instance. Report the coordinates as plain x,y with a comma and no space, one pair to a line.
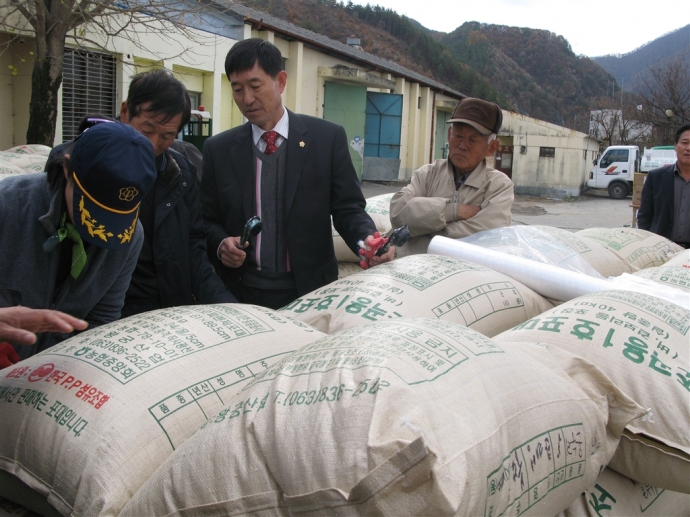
531,71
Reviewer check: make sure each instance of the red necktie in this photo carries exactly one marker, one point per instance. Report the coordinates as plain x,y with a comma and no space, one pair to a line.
270,137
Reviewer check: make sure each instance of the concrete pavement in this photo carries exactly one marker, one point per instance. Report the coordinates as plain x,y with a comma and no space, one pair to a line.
593,209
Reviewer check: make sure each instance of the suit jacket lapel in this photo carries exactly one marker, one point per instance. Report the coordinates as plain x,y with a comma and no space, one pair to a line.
298,148
242,156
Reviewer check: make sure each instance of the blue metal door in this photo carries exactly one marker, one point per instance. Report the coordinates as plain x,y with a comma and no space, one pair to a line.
383,124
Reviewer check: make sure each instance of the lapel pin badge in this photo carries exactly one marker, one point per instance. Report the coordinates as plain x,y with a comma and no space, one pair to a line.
302,144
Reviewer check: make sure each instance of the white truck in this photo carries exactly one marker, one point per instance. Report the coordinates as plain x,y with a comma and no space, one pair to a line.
616,168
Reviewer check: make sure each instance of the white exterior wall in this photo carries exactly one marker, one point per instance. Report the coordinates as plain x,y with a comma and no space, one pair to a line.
565,174
200,68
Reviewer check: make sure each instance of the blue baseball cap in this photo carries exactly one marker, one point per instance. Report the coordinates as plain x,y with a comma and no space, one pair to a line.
113,169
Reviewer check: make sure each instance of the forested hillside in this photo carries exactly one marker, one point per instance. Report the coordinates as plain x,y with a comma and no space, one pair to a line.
630,69
533,72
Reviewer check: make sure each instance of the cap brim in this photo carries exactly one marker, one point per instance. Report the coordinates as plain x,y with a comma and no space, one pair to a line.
483,130
99,225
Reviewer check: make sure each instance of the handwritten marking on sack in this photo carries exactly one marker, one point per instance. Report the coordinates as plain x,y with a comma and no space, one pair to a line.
535,468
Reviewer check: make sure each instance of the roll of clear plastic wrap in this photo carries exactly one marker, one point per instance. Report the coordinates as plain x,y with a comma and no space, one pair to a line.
549,281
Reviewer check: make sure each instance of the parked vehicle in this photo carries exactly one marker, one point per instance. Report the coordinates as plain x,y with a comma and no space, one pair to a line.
615,170
657,157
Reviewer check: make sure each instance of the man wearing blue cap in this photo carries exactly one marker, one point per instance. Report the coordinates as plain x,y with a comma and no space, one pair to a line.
70,238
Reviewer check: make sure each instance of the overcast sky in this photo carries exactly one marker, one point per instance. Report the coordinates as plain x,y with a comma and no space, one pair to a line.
592,27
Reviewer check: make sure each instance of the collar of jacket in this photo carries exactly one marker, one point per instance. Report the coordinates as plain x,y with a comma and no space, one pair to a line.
170,172
51,219
472,179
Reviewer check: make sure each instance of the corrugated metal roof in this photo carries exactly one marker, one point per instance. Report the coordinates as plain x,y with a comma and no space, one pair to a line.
320,41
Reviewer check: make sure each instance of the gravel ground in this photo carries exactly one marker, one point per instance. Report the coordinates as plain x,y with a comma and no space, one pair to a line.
593,209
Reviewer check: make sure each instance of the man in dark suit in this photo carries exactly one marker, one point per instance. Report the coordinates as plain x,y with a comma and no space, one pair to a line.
665,205
294,172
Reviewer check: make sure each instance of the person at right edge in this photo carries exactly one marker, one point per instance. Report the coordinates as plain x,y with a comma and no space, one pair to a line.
461,195
665,205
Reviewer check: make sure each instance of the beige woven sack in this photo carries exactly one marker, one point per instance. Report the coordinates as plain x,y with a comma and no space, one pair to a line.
642,343
346,269
378,208
35,167
680,259
24,160
426,286
9,169
30,149
614,495
86,422
405,418
671,276
640,248
604,261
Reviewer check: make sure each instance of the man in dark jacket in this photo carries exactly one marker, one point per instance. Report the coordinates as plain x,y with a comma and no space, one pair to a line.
291,170
173,267
665,205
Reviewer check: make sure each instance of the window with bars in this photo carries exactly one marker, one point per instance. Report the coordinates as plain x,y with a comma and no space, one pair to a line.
88,87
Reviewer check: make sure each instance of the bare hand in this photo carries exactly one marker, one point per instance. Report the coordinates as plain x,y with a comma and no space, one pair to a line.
19,324
468,211
386,257
230,255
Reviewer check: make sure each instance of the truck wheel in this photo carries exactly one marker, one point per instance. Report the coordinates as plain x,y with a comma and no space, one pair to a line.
618,190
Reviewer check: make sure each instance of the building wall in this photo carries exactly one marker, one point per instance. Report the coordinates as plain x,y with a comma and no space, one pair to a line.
197,62
564,174
308,71
15,92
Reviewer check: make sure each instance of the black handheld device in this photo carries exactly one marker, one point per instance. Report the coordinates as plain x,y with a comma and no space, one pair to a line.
252,228
398,238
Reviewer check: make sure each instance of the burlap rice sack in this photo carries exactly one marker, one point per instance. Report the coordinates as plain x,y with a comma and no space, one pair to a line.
35,167
605,262
378,208
30,149
680,259
671,276
614,495
86,422
23,160
346,269
428,286
9,169
640,248
404,418
642,343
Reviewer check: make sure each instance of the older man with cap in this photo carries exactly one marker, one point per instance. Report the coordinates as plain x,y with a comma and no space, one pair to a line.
70,238
461,195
